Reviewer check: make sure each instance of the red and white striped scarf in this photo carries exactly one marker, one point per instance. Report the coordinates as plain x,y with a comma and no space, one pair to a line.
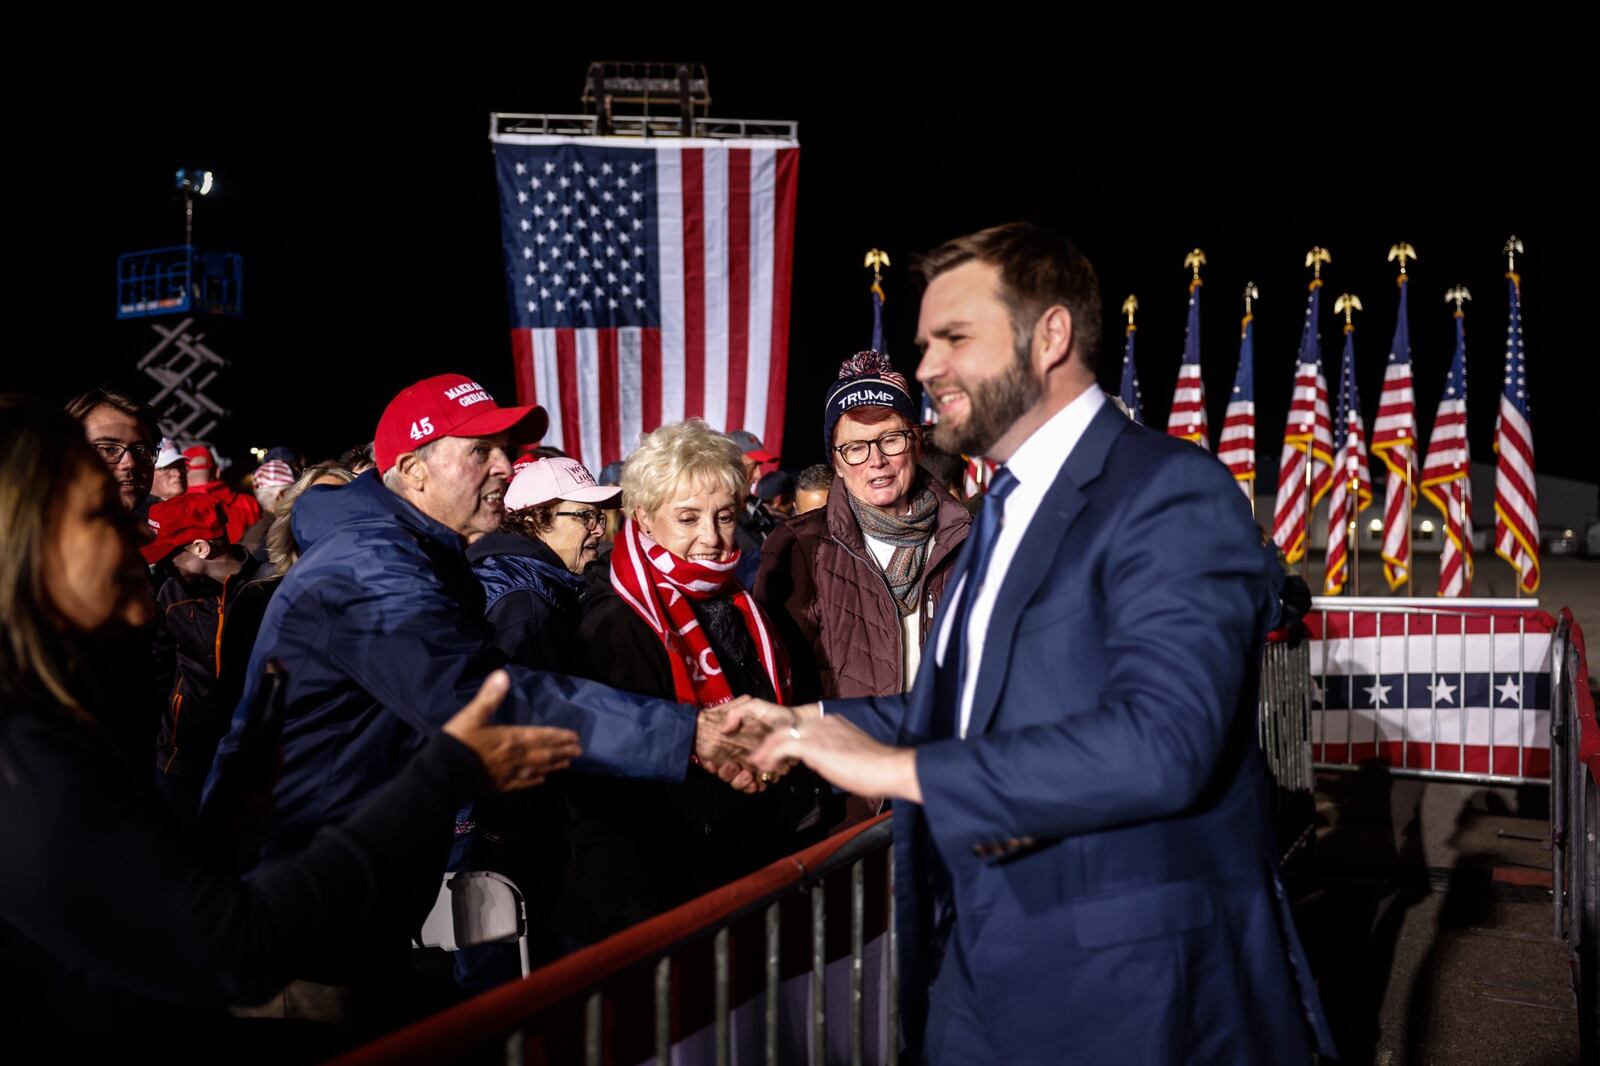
660,586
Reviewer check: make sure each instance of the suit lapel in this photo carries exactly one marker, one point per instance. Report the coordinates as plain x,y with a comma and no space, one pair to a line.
1046,533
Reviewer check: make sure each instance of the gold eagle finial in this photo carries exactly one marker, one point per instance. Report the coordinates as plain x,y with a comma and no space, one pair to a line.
1315,258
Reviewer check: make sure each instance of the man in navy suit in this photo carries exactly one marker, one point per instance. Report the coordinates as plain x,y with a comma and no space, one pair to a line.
1084,862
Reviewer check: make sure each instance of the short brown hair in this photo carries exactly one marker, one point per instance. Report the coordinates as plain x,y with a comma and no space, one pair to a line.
531,521
1038,269
79,407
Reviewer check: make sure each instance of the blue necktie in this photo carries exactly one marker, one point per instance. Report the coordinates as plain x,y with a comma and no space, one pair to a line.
951,676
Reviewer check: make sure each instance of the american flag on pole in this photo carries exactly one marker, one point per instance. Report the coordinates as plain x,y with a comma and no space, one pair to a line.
649,283
877,319
1394,440
1129,391
1352,481
1516,497
1236,447
1307,441
1446,473
1187,419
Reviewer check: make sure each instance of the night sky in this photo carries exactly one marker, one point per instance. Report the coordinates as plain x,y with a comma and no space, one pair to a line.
364,205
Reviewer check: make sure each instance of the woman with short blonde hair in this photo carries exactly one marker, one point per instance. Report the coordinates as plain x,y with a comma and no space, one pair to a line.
668,618
681,454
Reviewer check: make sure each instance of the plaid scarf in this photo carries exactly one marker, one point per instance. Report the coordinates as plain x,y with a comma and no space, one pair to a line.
660,586
909,533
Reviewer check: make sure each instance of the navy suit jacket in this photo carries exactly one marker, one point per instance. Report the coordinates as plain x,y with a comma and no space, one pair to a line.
1105,821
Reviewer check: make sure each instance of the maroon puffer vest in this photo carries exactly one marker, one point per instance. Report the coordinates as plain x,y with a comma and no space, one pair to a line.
842,602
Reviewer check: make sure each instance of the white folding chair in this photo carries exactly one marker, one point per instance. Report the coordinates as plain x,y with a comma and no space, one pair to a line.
474,908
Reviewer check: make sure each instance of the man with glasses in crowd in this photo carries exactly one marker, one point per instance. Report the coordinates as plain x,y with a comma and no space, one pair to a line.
853,585
124,434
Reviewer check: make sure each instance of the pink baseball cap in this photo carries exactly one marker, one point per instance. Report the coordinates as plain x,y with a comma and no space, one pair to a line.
557,479
448,405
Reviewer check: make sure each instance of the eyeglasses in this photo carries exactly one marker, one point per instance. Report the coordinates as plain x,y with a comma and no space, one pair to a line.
591,519
111,452
855,452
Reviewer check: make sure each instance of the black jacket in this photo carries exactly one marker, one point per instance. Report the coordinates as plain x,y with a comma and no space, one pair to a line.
205,635
638,848
118,933
532,603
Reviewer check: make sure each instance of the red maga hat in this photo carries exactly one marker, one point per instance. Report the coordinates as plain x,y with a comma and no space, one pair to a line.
182,520
449,405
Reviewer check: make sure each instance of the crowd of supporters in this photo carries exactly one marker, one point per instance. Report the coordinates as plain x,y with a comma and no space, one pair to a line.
248,723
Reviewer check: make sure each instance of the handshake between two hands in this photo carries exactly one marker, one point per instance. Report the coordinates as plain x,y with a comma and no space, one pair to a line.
748,743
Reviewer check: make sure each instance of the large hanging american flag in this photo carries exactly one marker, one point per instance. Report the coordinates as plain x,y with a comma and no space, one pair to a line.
1394,440
1236,446
1352,481
649,283
1516,497
1307,439
1446,472
1187,419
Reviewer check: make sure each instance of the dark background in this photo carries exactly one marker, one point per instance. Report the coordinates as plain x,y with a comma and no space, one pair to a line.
362,197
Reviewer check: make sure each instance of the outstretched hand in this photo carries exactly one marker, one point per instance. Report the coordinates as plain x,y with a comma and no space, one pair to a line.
842,754
514,756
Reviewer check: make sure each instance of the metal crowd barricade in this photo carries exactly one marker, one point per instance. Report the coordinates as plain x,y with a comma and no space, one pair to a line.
1284,722
1355,639
836,897
1575,821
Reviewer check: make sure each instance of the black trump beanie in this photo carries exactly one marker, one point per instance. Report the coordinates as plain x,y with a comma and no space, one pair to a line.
866,380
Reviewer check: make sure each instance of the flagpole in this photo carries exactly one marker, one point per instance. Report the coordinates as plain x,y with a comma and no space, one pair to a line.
876,260
1252,293
1350,305
1314,259
1402,252
1459,296
1305,559
1410,550
1513,246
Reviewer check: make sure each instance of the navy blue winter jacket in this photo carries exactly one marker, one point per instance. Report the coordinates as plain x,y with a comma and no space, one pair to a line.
380,628
530,601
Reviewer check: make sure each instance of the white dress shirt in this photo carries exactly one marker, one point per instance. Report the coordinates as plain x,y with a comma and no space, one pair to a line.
1035,465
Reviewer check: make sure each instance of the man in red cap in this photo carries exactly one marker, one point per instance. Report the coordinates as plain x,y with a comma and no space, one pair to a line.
242,511
202,644
379,626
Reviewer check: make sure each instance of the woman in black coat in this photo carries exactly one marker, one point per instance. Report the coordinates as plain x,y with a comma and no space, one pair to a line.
667,617
530,571
117,930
